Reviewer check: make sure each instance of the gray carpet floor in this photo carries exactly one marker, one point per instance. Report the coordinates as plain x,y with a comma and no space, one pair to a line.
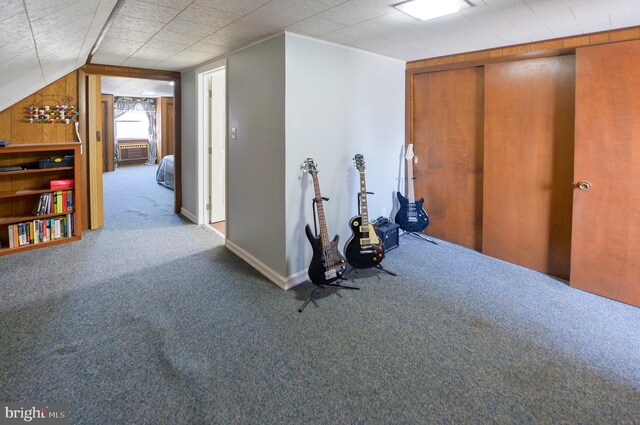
150,320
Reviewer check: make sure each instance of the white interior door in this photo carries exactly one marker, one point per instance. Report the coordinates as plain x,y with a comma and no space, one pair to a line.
218,133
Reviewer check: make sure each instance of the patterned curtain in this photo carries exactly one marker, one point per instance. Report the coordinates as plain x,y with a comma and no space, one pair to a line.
122,105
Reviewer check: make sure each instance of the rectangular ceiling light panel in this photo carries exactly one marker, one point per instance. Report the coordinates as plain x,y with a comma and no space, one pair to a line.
428,9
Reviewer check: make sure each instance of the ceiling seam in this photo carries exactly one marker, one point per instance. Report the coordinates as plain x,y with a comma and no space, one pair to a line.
87,34
33,36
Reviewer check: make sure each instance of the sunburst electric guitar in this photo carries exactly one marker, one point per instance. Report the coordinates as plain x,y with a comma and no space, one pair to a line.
327,264
364,249
411,217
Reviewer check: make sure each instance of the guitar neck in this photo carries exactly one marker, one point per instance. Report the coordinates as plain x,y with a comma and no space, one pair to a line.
324,234
364,212
410,192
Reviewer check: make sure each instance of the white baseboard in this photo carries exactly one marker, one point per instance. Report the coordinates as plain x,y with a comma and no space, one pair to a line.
189,215
275,277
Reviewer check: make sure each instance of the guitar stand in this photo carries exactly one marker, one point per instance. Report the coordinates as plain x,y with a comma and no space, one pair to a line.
419,236
322,285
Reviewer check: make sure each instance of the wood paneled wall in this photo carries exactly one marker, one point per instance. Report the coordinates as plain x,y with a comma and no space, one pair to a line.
16,128
554,47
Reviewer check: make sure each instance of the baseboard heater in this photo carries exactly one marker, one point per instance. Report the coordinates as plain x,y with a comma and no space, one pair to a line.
137,150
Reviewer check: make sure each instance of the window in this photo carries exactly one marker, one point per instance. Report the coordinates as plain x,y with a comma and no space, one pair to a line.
132,125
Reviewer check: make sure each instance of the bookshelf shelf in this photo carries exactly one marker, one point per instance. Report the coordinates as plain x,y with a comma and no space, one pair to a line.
12,220
7,251
21,191
33,171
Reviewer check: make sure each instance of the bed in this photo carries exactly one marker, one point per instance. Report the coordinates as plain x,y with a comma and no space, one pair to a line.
164,175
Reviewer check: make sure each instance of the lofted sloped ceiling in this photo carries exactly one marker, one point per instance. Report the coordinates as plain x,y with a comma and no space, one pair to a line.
178,34
42,41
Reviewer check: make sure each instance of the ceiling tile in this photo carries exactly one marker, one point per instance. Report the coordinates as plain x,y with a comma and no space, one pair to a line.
315,26
352,12
146,52
134,28
109,58
173,4
148,11
226,40
184,59
16,48
212,18
363,30
172,47
294,9
237,7
166,35
211,49
264,21
335,37
182,26
140,62
40,9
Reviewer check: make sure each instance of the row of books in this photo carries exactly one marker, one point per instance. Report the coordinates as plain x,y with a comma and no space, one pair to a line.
54,203
38,231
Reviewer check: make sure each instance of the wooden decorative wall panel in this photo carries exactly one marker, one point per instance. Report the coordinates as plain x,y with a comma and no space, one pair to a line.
447,115
528,162
15,127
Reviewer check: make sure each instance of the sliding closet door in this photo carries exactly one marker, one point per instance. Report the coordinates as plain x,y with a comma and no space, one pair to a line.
606,225
447,118
528,162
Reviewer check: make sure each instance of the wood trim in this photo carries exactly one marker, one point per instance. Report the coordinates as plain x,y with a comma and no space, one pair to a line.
109,160
82,120
539,49
177,145
123,71
94,126
154,74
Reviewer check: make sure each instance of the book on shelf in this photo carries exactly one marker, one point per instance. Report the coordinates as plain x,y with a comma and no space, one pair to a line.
57,202
41,230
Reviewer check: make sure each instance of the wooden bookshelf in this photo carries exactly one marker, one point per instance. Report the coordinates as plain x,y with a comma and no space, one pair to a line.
20,190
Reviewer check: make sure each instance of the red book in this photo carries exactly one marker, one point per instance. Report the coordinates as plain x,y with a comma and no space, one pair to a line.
61,184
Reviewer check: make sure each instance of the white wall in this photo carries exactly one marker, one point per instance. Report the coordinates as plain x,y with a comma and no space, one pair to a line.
255,162
339,102
189,140
292,97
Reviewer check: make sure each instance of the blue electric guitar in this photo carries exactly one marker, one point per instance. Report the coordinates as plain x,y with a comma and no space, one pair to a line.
411,217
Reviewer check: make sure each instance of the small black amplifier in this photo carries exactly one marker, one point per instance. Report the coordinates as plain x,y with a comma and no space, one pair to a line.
390,235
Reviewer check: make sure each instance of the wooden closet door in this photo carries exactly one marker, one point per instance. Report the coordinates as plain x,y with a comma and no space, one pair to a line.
447,118
528,162
606,217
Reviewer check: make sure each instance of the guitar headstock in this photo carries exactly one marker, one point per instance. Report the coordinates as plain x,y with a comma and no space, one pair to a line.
359,161
310,167
408,152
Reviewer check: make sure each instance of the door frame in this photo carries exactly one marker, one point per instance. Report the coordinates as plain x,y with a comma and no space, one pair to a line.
204,166
149,74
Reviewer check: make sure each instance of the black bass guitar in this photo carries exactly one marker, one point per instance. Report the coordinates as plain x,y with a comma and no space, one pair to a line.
411,217
327,264
364,249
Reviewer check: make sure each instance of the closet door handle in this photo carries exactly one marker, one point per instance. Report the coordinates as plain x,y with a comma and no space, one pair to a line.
584,185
